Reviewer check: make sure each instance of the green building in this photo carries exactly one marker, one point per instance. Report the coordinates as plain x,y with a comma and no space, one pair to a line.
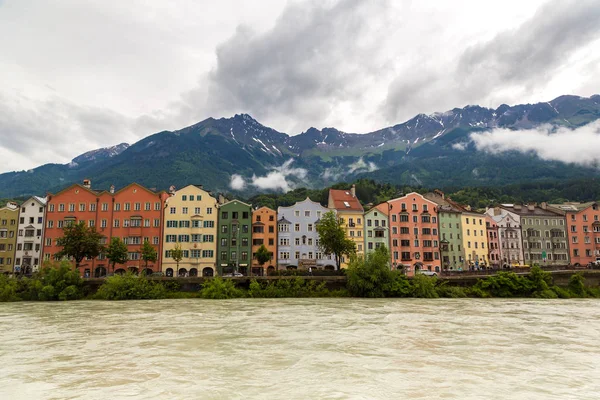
234,238
449,223
377,232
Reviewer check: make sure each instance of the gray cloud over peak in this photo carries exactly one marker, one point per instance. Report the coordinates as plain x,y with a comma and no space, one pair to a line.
306,65
511,64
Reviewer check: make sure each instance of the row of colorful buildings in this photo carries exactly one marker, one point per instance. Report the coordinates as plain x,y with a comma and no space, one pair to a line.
218,236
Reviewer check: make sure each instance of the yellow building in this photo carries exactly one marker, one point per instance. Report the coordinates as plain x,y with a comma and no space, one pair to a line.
351,213
9,222
191,221
474,238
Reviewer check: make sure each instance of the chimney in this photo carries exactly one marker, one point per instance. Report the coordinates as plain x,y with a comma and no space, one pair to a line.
517,207
531,206
221,199
112,188
544,205
353,190
468,207
12,205
172,189
497,211
87,183
439,193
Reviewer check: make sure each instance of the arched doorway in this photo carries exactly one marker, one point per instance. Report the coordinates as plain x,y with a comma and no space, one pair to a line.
133,270
169,272
208,271
290,267
120,271
270,270
193,272
99,272
329,268
418,266
147,272
182,272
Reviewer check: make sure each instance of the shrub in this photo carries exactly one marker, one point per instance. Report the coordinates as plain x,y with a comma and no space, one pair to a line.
453,292
577,285
297,287
399,286
57,281
8,289
370,276
218,288
423,286
130,287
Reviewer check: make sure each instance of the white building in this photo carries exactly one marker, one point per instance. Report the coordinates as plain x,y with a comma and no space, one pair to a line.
28,255
298,244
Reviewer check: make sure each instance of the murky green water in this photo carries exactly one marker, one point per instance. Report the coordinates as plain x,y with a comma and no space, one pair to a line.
301,349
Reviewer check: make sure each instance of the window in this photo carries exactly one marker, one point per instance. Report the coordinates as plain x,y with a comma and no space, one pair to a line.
156,222
223,228
104,206
297,227
195,253
208,253
208,238
51,209
171,238
209,224
127,206
137,206
92,206
209,210
245,215
197,210
157,206
184,197
147,206
61,207
155,240
307,213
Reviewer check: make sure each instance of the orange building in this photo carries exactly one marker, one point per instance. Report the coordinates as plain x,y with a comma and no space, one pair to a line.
414,237
133,214
583,230
264,231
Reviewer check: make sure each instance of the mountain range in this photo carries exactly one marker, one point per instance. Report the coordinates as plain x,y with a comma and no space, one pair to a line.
430,150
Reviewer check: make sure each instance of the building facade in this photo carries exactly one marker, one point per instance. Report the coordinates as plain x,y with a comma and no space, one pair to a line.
450,231
474,234
190,221
377,232
298,240
350,212
510,237
544,234
9,217
264,232
28,254
133,214
493,242
583,230
234,238
414,234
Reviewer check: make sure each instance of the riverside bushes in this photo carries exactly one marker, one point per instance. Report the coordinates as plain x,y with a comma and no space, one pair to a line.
55,281
130,287
296,287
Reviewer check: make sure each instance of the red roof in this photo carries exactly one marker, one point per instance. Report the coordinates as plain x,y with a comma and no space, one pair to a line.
344,200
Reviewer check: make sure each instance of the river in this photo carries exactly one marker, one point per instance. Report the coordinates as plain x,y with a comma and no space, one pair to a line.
301,349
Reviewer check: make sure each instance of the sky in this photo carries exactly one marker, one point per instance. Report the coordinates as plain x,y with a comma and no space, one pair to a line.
76,75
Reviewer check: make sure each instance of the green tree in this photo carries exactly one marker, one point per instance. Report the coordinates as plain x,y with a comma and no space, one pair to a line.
148,253
369,276
79,242
332,238
177,255
116,252
262,255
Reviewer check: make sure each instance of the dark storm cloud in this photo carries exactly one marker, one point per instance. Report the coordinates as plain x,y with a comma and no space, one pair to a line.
316,54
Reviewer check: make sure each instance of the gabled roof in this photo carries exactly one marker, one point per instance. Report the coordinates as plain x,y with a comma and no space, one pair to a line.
343,200
282,220
237,201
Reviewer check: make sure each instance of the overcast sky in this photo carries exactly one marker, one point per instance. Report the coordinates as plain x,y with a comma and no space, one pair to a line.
76,75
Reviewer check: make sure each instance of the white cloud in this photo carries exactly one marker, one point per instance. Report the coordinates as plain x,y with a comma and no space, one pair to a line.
578,146
459,146
237,182
361,166
278,178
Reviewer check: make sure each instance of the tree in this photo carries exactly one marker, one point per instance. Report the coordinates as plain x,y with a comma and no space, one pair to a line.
116,252
262,255
79,242
149,254
332,238
177,255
